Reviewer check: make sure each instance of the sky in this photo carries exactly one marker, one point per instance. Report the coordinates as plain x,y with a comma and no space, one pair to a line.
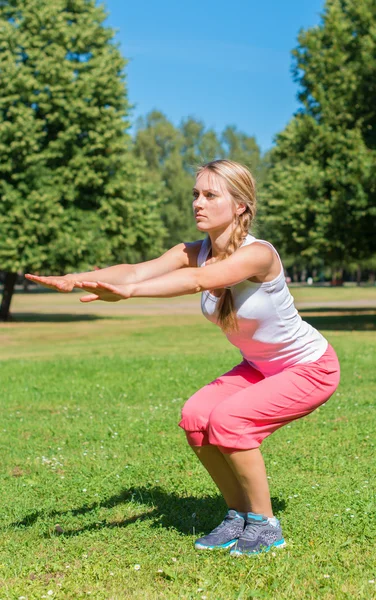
222,62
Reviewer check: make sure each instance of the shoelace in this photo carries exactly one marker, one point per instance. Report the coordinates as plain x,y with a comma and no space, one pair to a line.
251,531
222,525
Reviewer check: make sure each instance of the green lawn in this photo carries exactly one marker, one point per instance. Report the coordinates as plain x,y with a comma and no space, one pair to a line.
102,498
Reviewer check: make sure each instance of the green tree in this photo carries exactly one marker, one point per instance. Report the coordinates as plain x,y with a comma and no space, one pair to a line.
72,194
244,149
171,160
160,143
199,146
321,187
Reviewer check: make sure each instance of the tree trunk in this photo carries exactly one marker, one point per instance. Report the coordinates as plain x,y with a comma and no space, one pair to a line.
358,276
9,283
337,276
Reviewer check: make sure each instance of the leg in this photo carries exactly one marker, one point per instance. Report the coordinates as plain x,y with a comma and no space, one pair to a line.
239,424
223,476
195,419
240,477
249,469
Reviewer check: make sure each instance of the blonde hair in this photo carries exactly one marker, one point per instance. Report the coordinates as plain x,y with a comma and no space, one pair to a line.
242,188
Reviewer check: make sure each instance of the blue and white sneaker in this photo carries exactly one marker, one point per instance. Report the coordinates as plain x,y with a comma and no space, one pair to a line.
225,535
259,535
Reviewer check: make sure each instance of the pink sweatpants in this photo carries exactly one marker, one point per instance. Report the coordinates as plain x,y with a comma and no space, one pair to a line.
241,408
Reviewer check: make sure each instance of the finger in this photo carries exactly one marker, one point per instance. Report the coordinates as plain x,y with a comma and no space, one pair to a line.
106,286
88,289
33,277
88,284
42,280
89,298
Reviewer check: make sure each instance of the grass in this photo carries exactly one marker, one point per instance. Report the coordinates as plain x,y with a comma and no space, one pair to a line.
102,498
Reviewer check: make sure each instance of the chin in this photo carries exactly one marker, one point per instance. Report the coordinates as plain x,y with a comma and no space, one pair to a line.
201,226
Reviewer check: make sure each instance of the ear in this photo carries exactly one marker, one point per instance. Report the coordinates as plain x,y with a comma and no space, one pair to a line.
240,209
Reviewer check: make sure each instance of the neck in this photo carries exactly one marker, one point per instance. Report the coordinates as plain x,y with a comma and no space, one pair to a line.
219,240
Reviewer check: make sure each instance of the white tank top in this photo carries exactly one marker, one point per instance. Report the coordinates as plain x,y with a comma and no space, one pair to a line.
272,335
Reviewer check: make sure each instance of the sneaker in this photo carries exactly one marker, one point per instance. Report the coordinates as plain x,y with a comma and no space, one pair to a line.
258,536
225,535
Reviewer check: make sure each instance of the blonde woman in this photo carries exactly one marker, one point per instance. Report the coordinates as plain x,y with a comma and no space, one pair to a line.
288,368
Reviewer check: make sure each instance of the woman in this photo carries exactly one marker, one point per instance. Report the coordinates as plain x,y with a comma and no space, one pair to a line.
288,368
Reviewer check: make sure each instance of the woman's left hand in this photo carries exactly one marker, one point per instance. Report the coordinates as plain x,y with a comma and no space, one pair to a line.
103,291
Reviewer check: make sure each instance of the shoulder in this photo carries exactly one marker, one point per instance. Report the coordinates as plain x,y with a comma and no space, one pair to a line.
258,249
181,255
265,258
262,256
192,251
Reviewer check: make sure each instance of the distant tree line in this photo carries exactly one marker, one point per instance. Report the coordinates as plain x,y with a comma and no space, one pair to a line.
77,191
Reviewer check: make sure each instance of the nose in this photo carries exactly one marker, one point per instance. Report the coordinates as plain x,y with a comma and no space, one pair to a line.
197,202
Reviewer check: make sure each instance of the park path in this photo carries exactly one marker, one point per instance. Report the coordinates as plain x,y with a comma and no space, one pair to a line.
46,303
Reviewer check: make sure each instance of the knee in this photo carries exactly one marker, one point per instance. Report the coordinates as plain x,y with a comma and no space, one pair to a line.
193,416
222,422
197,438
194,423
189,410
225,430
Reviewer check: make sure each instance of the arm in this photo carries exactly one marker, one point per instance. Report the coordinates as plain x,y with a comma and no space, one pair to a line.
250,261
181,255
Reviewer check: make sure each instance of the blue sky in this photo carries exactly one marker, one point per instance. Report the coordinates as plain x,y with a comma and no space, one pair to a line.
225,63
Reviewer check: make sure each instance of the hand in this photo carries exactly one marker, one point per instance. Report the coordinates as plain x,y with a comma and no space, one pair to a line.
103,291
54,282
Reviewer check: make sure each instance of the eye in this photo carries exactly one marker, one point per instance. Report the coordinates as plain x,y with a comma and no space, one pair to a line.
195,194
210,195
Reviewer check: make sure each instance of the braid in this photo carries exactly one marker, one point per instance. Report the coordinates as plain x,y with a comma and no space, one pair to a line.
226,310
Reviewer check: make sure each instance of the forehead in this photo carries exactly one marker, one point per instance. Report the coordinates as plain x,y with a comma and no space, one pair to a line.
209,180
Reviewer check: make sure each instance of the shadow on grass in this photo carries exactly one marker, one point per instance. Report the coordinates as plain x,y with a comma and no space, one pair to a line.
65,318
341,309
52,318
366,321
187,515
357,319
349,322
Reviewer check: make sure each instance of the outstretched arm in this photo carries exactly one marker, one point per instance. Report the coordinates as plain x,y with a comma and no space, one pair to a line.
250,261
181,255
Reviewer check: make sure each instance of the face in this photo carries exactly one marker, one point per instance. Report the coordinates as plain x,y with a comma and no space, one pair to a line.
213,207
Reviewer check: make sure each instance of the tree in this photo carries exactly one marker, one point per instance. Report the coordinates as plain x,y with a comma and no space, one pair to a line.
72,194
244,149
321,187
199,146
172,154
160,144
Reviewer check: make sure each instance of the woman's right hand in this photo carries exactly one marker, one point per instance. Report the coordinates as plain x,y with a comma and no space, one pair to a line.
54,282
